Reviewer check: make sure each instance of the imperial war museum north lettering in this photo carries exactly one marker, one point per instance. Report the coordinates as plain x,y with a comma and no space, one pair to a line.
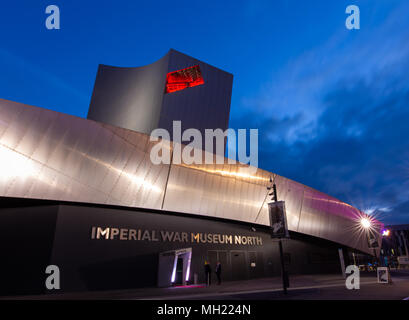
125,234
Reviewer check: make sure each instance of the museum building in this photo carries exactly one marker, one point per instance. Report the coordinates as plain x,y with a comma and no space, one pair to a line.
84,195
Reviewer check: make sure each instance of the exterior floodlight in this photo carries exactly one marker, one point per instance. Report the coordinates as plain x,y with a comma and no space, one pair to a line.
366,223
386,233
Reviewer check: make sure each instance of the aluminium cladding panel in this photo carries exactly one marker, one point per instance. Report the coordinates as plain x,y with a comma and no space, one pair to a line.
216,190
130,98
313,218
205,106
325,217
292,193
50,155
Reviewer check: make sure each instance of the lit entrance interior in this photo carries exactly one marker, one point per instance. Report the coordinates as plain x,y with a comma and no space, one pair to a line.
174,267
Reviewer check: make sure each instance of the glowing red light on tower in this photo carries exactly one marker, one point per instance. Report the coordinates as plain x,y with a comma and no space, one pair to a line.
184,78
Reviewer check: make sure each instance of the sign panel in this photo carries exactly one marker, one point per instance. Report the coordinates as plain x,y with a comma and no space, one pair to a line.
372,240
278,220
383,275
403,260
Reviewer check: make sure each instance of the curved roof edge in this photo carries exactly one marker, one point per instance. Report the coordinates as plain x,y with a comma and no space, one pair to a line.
51,155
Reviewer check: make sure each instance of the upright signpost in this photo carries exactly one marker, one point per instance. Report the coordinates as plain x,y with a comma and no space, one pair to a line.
373,242
279,229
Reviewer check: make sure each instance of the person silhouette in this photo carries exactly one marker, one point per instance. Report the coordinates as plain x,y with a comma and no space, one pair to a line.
219,272
208,273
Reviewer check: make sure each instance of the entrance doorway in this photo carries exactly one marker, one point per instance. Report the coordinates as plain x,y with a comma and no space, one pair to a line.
214,256
174,267
238,265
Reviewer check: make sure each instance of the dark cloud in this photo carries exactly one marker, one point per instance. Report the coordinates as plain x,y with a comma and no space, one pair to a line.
336,118
399,214
358,150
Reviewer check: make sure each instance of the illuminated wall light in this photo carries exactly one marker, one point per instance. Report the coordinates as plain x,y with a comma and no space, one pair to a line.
236,174
366,223
228,173
188,266
172,280
140,182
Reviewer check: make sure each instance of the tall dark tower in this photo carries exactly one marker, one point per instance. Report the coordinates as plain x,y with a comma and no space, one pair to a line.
176,87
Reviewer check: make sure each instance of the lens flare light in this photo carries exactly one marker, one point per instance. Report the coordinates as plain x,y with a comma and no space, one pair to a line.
366,223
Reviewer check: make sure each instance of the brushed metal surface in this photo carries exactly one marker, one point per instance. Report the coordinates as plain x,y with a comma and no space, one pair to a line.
49,155
134,98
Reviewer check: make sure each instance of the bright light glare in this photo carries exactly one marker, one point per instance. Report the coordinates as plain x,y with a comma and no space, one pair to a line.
173,278
14,164
188,266
366,223
386,233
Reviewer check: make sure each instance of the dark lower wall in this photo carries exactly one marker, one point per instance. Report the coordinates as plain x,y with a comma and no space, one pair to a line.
88,264
26,239
36,236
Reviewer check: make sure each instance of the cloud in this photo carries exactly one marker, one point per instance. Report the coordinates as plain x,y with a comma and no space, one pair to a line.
399,214
298,87
336,118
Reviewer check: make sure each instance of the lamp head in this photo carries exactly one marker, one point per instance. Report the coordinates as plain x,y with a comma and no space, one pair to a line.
366,223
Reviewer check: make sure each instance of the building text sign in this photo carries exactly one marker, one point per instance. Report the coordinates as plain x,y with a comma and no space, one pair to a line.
278,219
109,233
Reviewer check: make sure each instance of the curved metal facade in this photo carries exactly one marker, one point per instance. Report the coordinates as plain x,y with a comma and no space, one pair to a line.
129,97
135,98
49,155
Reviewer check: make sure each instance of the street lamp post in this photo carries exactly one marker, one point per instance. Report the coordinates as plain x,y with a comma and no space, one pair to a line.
366,223
278,223
386,259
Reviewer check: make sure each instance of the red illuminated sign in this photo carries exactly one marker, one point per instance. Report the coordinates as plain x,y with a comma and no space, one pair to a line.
184,78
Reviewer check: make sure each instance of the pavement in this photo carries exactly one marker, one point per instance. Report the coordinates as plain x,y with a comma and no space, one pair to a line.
319,287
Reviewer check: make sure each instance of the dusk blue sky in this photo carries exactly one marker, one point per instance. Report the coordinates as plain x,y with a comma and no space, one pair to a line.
331,104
